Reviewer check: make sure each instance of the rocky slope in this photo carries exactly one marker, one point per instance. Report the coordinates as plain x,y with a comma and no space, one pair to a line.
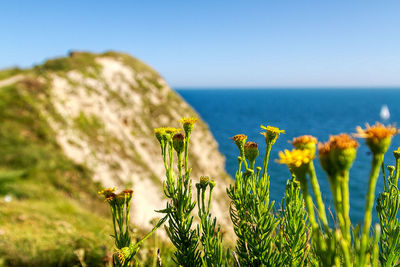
102,110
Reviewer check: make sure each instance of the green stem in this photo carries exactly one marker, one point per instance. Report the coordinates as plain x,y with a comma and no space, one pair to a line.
373,177
133,247
339,204
203,195
346,205
396,176
384,176
266,159
318,198
180,180
345,248
187,153
209,200
309,203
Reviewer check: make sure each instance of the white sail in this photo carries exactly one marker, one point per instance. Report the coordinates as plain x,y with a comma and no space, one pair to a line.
385,114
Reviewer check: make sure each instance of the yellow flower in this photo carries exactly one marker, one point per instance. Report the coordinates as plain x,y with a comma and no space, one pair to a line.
188,124
295,158
204,180
271,134
189,120
159,133
171,130
107,192
378,136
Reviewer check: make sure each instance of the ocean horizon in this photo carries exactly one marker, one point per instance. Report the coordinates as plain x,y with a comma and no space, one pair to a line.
320,112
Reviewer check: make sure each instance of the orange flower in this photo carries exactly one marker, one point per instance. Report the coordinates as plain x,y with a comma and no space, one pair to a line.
303,140
342,141
377,137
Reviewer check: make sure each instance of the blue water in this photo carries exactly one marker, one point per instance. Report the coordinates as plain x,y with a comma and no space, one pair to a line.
298,111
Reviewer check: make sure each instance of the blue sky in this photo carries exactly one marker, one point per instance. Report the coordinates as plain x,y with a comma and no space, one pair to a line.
223,43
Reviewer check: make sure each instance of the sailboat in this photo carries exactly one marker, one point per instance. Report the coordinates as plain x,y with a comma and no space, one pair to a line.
385,114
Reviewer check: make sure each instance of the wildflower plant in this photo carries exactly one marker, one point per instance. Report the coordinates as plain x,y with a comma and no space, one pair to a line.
201,246
125,249
251,212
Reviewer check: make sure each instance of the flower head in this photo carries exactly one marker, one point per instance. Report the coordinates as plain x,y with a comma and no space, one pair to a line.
188,124
107,192
297,161
160,133
172,130
294,158
305,142
204,180
128,193
338,154
240,140
271,133
111,198
342,141
378,136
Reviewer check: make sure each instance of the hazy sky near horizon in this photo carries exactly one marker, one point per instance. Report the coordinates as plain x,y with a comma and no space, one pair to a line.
221,43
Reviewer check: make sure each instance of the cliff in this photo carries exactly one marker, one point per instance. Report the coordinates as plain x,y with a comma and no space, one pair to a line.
73,125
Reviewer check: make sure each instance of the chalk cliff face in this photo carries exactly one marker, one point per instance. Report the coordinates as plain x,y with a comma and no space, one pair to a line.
103,112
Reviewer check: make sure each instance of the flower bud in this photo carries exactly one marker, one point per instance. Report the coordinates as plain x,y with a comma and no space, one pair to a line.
324,150
338,154
396,153
212,184
343,151
251,151
204,181
178,142
391,169
305,142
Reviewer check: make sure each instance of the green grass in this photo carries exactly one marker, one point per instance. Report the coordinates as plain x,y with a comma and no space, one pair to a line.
50,215
7,73
84,62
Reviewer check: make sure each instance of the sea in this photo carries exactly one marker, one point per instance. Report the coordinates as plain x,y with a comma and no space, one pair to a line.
318,112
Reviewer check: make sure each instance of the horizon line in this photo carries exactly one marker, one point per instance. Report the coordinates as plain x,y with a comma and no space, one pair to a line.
281,87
